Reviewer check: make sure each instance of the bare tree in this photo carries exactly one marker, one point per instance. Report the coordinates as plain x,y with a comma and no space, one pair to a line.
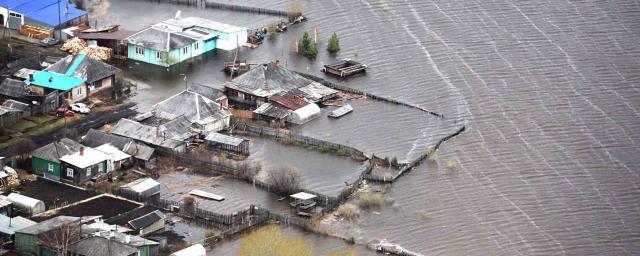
285,180
60,238
22,148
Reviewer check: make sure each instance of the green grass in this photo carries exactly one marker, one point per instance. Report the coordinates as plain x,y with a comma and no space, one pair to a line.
9,142
41,118
23,125
58,124
369,200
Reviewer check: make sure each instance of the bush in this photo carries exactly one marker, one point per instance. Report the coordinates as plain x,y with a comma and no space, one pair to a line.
452,164
342,152
432,155
348,211
370,200
285,180
334,44
272,241
325,149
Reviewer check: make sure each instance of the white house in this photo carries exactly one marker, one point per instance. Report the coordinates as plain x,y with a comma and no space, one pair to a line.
229,36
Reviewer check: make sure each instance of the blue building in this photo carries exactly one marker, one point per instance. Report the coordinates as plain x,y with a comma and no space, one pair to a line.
45,15
176,40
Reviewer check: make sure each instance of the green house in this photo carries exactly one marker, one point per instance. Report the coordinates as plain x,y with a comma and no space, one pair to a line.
164,47
46,160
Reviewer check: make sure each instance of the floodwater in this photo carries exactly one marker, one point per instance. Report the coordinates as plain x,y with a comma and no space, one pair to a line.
549,91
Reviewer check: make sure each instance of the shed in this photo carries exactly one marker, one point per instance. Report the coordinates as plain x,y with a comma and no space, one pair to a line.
8,226
194,250
304,114
148,223
271,112
25,203
142,188
229,143
117,158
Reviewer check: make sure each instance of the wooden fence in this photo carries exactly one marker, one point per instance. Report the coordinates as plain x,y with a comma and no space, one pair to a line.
231,7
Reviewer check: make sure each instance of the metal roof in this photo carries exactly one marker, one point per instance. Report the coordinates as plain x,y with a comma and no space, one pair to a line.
13,88
147,220
57,149
10,225
56,81
114,153
141,185
159,39
303,196
24,73
272,110
50,12
49,225
289,101
85,68
88,158
148,134
190,22
224,139
101,246
195,107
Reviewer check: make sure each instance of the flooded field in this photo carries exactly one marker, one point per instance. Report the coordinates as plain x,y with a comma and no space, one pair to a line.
549,91
323,173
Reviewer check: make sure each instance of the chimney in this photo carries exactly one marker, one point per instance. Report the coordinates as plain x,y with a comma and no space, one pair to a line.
31,77
81,151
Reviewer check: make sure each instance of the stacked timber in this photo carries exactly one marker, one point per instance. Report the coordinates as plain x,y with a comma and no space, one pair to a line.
73,46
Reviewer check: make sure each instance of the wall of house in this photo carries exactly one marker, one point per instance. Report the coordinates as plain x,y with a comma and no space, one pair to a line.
80,174
41,166
26,243
149,56
229,41
78,93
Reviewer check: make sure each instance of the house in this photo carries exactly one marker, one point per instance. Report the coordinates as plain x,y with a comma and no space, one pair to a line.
117,158
256,86
145,247
176,40
204,114
46,159
112,38
12,89
273,113
149,223
83,165
76,77
36,239
40,18
158,136
226,142
10,116
143,155
141,189
101,246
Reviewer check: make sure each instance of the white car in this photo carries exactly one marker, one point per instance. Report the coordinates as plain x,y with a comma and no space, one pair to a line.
80,108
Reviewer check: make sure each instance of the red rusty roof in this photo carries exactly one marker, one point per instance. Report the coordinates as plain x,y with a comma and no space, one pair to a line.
290,101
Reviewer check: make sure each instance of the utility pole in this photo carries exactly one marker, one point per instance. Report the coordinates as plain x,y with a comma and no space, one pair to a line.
59,20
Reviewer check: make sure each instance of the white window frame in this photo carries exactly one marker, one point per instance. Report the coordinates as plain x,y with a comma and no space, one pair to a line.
70,172
196,46
79,91
100,168
88,169
50,167
139,50
185,50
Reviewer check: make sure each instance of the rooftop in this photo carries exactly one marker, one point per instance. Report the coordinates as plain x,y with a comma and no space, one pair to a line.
190,22
146,220
159,39
272,110
49,225
82,67
113,152
88,158
13,88
56,150
289,100
141,185
303,196
224,139
10,225
56,81
195,107
45,11
206,91
95,138
148,134
101,246
115,35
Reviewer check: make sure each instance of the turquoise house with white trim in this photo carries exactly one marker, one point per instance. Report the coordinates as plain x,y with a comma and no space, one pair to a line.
176,40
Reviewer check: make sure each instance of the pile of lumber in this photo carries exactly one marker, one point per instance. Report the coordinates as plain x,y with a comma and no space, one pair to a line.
75,45
36,32
97,52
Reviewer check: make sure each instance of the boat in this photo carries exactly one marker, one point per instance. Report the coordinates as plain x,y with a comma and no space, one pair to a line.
341,111
383,246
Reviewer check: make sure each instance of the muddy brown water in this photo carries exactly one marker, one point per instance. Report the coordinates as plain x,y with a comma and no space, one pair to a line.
548,90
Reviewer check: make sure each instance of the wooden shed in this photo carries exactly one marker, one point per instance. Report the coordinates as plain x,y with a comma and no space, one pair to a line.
228,143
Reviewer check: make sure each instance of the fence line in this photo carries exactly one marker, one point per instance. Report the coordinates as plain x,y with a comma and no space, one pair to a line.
366,94
231,7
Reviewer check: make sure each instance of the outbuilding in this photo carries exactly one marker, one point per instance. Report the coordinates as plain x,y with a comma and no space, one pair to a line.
194,250
141,188
26,204
226,142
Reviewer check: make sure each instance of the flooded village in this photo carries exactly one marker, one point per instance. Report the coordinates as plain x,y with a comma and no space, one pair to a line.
195,127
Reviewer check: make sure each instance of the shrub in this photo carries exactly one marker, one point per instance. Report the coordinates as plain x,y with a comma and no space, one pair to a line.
348,211
285,180
432,155
452,164
334,44
308,47
342,152
370,200
272,241
325,149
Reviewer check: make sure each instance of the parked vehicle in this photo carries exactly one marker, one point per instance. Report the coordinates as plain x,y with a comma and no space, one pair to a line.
61,112
49,42
80,108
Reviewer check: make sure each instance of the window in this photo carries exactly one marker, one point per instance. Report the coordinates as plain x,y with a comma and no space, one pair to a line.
79,91
88,171
100,168
15,15
196,46
158,55
70,172
185,50
50,167
139,50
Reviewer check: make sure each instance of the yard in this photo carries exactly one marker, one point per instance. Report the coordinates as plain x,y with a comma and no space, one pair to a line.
105,205
54,194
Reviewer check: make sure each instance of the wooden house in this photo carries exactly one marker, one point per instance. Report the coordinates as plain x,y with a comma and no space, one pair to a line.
83,165
46,159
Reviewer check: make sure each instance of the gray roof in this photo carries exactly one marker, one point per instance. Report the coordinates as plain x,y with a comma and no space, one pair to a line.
89,69
101,246
142,152
195,107
266,80
95,138
13,88
207,91
49,225
57,149
159,39
16,105
224,139
272,110
24,73
147,220
147,134
178,128
10,225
